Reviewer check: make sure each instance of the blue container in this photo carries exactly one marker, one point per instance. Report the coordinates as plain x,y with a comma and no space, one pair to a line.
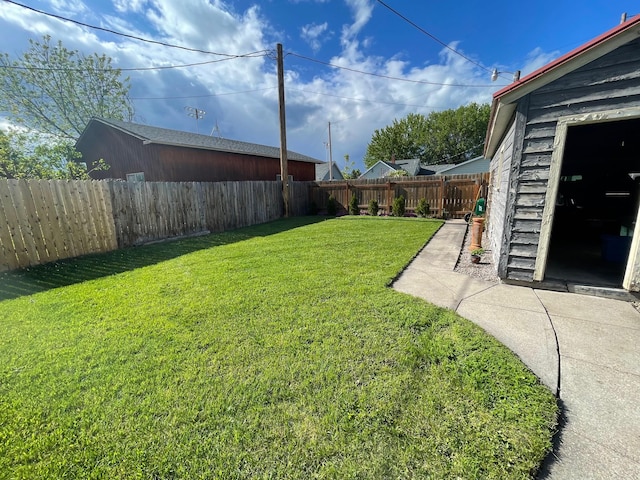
615,249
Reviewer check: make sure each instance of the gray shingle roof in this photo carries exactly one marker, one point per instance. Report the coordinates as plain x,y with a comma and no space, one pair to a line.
165,136
322,172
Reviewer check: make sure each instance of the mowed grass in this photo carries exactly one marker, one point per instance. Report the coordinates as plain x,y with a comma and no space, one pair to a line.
276,351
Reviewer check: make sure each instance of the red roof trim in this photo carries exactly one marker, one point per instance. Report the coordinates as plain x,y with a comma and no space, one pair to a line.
568,56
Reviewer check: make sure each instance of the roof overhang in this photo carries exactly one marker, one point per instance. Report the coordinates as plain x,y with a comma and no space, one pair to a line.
505,100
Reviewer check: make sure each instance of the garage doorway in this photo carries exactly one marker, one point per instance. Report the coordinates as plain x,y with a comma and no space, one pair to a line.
595,203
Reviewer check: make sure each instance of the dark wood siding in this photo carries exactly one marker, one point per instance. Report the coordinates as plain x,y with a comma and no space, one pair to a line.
165,163
610,82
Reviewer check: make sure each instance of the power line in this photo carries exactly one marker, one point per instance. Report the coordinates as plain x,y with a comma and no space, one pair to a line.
133,69
360,99
449,157
114,32
204,96
424,82
433,37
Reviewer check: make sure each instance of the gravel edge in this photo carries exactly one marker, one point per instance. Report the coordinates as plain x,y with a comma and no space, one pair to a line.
485,269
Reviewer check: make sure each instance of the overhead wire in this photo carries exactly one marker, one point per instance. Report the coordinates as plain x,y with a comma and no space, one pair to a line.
388,77
205,96
436,39
114,32
133,69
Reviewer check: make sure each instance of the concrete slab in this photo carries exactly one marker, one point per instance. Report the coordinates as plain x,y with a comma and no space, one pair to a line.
599,358
528,334
511,296
443,249
584,458
446,289
602,404
594,309
599,343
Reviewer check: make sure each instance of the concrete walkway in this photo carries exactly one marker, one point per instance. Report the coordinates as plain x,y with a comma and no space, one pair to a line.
585,349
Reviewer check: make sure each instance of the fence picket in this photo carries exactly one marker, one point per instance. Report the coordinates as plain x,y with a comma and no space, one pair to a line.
47,220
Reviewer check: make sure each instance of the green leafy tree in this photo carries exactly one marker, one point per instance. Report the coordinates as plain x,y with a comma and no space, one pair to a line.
456,135
19,158
348,171
403,139
450,136
55,91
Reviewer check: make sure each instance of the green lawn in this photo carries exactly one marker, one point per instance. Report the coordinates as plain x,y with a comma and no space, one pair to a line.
275,351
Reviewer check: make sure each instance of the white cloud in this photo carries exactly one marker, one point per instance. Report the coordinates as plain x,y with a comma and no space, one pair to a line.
67,7
536,59
311,34
362,11
355,104
124,6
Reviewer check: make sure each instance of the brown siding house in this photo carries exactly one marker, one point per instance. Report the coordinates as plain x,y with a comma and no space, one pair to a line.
163,155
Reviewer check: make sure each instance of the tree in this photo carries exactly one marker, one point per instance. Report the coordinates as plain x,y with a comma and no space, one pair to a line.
458,135
19,158
403,139
450,136
55,91
348,171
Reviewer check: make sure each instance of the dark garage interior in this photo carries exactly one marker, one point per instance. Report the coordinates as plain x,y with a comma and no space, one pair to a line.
596,205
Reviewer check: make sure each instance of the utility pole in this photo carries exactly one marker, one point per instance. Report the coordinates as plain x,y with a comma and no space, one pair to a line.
330,155
284,168
195,113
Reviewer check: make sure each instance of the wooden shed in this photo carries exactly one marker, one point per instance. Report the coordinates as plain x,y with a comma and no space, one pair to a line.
564,144
148,153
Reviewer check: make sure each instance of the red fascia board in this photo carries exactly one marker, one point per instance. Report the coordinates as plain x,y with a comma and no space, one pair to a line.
568,56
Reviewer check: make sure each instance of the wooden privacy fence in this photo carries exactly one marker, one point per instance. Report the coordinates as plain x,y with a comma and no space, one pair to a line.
43,221
453,194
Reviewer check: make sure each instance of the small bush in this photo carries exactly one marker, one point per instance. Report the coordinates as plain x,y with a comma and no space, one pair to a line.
313,208
423,209
332,206
353,206
373,208
398,206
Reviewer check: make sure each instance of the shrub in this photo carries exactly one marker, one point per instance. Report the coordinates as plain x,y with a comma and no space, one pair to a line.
353,206
373,208
398,206
332,206
313,208
423,209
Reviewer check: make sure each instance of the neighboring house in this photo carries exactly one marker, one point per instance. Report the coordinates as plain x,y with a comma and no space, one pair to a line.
322,172
141,152
382,169
565,149
475,165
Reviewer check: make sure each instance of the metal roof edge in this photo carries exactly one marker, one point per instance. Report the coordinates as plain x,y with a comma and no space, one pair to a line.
503,104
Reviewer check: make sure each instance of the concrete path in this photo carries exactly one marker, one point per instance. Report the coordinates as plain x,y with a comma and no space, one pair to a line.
585,349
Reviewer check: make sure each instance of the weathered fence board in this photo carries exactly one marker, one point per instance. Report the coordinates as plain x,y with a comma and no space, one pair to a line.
47,220
452,195
42,221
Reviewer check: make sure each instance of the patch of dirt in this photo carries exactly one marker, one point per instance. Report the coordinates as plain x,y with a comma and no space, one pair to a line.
485,270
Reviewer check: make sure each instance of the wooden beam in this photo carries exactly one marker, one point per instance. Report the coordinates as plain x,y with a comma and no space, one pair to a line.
284,170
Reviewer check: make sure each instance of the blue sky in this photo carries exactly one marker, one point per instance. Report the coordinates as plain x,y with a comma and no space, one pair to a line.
240,95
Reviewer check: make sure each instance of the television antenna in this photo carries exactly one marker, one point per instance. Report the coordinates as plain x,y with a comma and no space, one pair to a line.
196,113
215,131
